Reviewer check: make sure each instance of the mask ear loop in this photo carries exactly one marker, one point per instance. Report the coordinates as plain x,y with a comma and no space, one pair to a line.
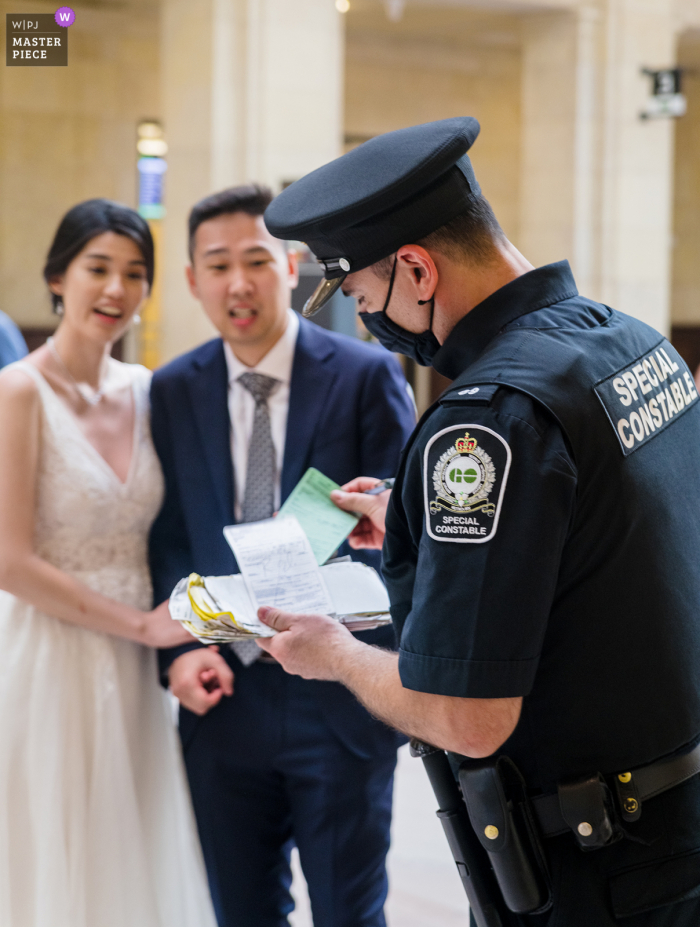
423,302
391,285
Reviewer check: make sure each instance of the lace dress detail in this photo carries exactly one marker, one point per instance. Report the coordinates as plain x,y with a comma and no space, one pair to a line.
96,827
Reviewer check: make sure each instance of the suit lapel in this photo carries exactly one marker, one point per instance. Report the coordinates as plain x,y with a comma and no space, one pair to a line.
312,377
208,387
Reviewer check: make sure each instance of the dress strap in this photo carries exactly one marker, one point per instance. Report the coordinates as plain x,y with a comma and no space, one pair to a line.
140,378
32,372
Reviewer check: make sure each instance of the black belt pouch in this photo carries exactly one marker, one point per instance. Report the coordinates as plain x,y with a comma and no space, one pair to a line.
494,793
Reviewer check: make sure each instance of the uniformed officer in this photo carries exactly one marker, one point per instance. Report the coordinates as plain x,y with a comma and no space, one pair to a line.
542,548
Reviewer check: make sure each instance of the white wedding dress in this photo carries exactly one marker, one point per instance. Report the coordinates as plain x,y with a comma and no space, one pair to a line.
96,827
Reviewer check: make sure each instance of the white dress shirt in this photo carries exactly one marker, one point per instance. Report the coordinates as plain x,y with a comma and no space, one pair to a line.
277,363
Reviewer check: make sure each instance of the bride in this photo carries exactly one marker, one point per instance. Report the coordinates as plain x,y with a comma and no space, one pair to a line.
96,828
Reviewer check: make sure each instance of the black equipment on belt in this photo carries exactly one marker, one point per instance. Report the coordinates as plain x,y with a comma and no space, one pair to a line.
496,798
556,814
507,824
477,878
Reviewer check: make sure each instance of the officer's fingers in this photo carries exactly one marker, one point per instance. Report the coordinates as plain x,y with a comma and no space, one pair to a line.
279,620
366,536
360,484
354,502
362,531
364,526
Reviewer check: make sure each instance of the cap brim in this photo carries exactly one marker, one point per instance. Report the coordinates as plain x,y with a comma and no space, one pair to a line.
321,295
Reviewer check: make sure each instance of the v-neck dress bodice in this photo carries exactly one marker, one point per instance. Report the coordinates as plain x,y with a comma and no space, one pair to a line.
96,827
88,523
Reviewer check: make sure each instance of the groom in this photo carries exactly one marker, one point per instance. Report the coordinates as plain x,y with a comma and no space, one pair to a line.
236,423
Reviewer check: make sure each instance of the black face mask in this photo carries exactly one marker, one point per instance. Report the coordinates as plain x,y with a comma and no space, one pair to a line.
420,347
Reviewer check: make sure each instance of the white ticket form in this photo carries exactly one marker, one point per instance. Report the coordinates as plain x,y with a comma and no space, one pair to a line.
279,566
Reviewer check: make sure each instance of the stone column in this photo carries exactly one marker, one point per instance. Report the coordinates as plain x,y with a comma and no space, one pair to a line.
252,90
550,201
596,179
637,163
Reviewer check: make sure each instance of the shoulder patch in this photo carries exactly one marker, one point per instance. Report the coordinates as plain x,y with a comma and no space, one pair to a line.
644,397
465,470
480,395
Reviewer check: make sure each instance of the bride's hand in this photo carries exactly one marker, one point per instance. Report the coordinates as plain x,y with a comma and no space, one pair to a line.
161,631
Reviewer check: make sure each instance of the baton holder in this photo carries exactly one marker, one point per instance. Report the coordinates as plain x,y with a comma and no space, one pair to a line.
472,863
494,792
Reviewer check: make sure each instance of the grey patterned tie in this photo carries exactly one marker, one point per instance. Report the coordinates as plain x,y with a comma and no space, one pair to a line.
261,470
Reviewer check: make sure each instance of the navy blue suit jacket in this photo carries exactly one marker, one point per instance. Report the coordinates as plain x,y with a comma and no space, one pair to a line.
349,415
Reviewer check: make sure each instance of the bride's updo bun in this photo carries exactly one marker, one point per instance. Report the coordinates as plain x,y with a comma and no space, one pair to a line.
88,220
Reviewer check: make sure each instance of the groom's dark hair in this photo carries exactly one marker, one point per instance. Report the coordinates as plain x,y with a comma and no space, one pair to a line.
252,199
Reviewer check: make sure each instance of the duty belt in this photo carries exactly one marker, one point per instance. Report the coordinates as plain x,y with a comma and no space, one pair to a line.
574,806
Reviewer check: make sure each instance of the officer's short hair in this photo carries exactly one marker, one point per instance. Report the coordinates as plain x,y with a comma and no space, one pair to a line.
252,199
472,236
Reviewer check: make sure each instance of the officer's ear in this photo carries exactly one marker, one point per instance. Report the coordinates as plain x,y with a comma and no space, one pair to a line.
422,268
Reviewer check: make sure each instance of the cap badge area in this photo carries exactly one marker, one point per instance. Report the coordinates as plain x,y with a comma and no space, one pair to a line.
466,468
336,266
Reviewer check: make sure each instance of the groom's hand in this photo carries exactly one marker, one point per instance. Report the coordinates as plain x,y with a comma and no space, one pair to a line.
200,678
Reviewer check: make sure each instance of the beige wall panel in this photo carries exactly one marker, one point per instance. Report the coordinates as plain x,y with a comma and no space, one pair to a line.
685,299
549,105
300,88
251,91
187,35
68,134
601,175
435,64
638,159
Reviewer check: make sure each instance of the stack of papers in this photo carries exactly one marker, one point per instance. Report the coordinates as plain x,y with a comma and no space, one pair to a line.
280,562
219,609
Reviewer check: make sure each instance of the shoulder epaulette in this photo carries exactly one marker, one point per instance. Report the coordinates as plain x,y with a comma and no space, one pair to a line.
480,395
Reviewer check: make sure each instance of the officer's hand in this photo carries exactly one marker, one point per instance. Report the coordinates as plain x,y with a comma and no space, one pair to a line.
200,678
368,534
307,645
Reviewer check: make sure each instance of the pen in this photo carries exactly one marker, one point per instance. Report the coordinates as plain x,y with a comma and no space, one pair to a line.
380,487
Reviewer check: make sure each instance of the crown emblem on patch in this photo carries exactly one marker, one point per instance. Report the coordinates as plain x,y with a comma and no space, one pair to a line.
466,444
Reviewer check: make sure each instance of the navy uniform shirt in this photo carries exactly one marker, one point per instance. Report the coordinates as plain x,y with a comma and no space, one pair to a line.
543,535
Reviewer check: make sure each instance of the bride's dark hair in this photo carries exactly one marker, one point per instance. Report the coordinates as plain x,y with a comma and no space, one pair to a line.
88,220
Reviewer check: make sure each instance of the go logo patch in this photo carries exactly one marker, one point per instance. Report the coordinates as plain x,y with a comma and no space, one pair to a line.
465,473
